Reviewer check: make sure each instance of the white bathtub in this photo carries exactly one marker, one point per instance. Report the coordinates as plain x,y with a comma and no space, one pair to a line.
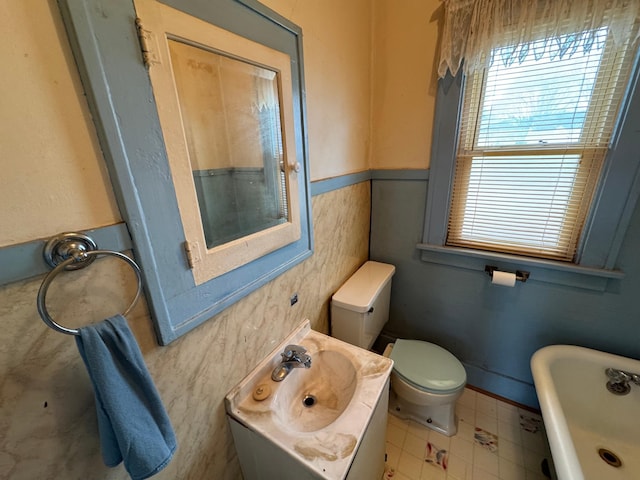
582,417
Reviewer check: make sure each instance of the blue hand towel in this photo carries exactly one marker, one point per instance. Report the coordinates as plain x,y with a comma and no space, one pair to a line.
132,421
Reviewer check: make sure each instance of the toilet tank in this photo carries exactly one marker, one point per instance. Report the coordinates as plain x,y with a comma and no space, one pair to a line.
360,308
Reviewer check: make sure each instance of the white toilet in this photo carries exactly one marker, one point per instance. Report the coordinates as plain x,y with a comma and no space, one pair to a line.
426,379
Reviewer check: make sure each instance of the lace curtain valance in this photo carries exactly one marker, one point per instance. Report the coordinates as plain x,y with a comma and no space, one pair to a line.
473,28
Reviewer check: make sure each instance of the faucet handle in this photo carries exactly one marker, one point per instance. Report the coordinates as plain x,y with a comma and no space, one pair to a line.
618,376
305,360
613,375
291,351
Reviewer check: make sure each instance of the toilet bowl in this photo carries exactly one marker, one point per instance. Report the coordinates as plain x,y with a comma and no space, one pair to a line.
426,382
426,379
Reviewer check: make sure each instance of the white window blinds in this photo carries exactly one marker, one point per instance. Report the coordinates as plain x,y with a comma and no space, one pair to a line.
533,136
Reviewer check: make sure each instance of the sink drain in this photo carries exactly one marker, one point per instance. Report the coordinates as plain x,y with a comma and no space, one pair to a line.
618,388
309,401
609,457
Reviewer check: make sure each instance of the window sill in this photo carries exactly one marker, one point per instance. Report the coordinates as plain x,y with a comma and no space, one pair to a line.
547,271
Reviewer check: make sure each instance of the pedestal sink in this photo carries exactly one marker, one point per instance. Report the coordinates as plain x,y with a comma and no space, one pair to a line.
326,422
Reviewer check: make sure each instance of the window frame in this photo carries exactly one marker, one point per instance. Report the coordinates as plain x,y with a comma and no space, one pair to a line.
614,201
598,126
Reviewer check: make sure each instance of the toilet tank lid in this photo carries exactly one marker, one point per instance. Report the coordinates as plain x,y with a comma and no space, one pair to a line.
360,291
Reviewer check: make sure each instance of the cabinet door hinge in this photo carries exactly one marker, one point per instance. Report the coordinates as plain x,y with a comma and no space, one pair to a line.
193,253
147,43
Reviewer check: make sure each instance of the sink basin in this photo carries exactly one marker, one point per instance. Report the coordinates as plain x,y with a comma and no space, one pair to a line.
310,399
314,422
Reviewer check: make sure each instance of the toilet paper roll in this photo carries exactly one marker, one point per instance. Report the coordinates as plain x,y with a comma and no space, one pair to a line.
505,279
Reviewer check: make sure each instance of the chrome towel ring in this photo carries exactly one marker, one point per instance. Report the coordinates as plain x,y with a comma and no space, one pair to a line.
73,251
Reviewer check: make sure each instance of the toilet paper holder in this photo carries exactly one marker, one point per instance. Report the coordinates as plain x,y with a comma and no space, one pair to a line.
521,275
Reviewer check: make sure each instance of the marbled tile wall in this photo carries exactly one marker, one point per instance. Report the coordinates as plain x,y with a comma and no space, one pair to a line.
48,426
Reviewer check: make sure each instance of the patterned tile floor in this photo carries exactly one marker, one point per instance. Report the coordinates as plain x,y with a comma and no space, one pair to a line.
495,441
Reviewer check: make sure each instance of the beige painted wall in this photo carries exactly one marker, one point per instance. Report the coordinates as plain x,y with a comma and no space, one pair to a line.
396,51
53,176
404,82
337,40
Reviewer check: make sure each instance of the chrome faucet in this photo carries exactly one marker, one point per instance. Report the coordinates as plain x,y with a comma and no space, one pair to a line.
294,356
619,380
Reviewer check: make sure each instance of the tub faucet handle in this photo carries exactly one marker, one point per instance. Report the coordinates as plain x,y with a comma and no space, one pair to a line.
617,376
620,376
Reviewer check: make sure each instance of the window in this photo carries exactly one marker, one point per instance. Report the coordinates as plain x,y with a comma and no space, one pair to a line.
484,139
533,136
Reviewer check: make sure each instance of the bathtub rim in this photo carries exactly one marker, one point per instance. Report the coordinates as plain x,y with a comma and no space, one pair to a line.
563,451
565,457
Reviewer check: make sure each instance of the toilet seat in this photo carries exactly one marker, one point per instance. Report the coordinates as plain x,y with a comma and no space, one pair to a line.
427,367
